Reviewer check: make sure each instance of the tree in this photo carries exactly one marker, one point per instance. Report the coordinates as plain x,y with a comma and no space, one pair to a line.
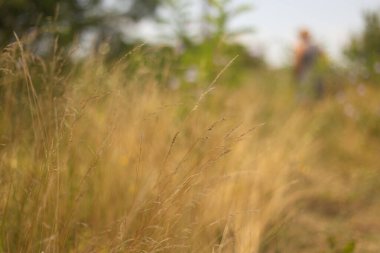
363,51
69,18
211,47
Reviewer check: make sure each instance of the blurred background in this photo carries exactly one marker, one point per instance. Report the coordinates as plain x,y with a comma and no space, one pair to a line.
268,28
261,32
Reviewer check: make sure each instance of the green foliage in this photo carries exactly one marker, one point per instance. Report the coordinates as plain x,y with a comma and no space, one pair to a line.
364,51
349,247
69,19
218,16
206,52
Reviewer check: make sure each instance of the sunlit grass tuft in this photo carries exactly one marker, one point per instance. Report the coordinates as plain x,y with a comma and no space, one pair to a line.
109,159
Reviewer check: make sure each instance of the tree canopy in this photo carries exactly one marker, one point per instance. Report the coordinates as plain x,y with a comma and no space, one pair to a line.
364,48
69,18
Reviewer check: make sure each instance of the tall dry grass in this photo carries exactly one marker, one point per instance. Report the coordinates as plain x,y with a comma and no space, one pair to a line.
100,158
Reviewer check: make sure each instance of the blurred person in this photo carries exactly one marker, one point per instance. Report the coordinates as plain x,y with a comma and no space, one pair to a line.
306,68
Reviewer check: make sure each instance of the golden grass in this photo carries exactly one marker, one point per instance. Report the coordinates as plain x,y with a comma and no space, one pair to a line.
109,160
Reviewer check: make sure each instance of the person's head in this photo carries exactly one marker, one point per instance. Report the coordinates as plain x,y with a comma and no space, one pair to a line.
304,34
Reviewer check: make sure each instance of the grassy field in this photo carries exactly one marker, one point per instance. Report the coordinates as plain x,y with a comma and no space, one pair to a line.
107,158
